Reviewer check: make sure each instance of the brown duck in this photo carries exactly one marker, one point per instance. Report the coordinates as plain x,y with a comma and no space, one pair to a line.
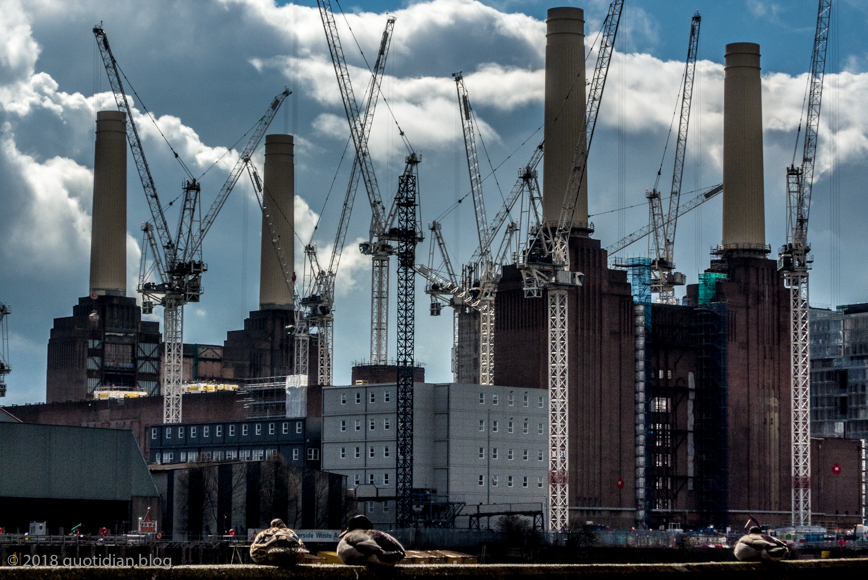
277,546
361,545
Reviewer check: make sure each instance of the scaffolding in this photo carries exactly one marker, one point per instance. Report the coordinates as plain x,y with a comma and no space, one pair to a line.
712,469
275,397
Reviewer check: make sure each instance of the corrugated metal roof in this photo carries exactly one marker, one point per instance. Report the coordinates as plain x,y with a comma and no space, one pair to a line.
59,462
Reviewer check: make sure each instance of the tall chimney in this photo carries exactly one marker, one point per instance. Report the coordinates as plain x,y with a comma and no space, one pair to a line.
108,243
565,76
279,193
743,201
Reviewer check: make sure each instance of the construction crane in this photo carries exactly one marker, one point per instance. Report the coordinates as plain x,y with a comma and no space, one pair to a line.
662,246
177,260
4,348
409,233
544,264
794,263
381,232
318,304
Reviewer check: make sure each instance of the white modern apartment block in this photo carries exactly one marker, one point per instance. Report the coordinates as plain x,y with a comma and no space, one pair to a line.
478,444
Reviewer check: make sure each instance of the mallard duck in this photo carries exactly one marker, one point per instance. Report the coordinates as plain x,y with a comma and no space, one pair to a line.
277,546
756,546
361,545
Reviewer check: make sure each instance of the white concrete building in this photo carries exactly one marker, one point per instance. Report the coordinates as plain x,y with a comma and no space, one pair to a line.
477,444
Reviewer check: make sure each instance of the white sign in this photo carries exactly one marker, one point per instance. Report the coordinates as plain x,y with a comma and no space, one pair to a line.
319,535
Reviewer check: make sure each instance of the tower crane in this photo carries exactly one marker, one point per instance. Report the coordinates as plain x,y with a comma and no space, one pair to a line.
382,230
177,260
318,304
544,264
794,263
663,278
4,348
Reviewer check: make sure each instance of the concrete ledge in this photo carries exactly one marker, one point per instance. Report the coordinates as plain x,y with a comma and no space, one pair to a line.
797,569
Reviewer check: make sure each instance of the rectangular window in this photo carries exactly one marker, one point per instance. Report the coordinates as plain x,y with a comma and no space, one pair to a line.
258,454
494,452
494,480
539,481
540,403
370,451
493,399
539,428
357,479
509,481
387,424
510,399
373,397
385,479
245,454
312,454
494,426
526,400
524,481
358,452
154,433
372,424
259,429
371,481
509,454
206,431
482,452
524,455
343,398
169,432
244,429
358,424
192,456
540,455
386,505
168,457
159,459
218,431
343,424
343,452
481,425
481,398
295,454
358,398
284,429
271,428
232,454
181,432
192,432
183,457
232,430
481,480
524,428
298,427
386,397
509,427
386,451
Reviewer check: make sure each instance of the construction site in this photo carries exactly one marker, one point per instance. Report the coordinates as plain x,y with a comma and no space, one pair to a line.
650,402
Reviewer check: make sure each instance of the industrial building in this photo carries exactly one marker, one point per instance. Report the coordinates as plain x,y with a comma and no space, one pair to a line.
472,444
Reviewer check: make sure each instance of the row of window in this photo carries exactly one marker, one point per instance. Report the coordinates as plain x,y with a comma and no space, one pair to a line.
495,481
218,430
509,454
358,452
372,397
230,455
510,426
357,479
510,400
386,506
372,424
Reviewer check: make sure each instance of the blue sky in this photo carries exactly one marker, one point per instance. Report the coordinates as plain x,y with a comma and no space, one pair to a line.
206,69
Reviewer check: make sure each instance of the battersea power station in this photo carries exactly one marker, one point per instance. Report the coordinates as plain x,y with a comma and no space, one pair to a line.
670,413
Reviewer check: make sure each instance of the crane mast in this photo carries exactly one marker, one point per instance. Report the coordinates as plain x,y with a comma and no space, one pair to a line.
4,348
177,259
663,279
318,306
794,263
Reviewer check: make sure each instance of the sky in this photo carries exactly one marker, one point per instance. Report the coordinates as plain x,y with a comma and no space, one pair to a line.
207,69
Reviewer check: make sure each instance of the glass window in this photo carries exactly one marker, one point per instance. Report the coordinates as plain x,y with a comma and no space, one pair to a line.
312,454
494,480
154,433
539,428
386,397
371,481
169,432
183,457
387,424
493,399
232,454
358,398
358,424
385,479
526,400
386,451
357,479
343,424
218,431
158,459
509,427
524,427
244,429
540,403
373,397
539,481
510,399
509,454
540,455
494,426
385,503
509,481
481,425
298,427
494,452
295,454
192,432
524,455
343,452
206,431
372,424
168,457
370,451
524,481
284,429
481,398
358,452
232,430
343,398
482,452
481,480
259,429
181,432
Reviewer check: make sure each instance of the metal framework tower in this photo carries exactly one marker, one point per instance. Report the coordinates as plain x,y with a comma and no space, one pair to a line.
177,260
793,261
4,348
663,279
407,201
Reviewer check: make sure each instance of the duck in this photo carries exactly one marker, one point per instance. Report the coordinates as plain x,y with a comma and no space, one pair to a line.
278,546
756,546
361,545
